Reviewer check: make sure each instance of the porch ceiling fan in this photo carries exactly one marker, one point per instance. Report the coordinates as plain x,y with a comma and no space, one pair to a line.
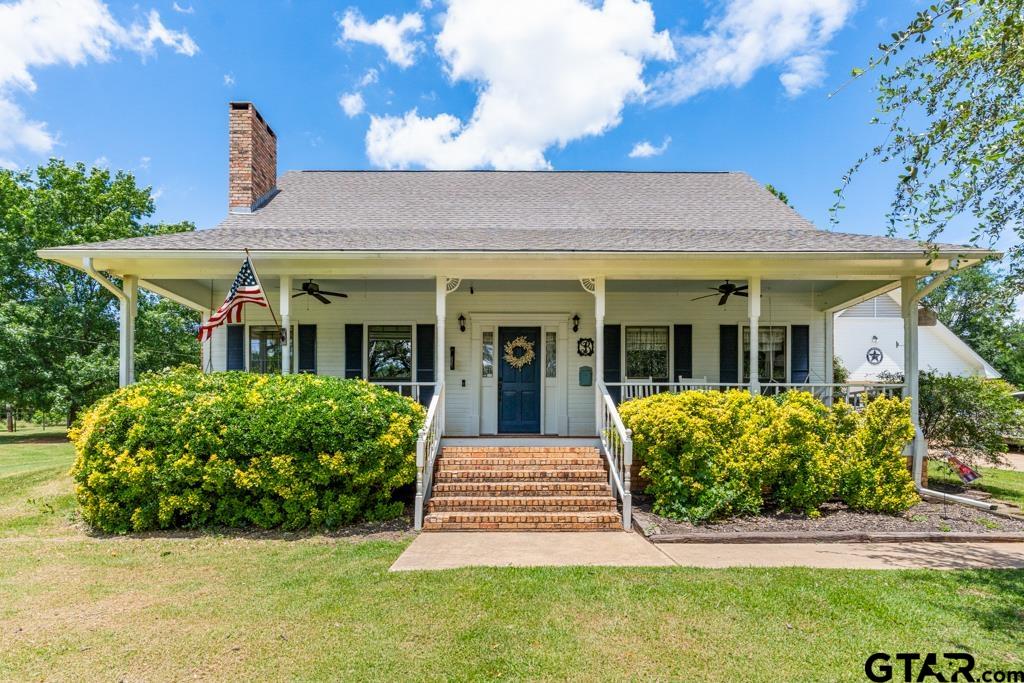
313,289
725,290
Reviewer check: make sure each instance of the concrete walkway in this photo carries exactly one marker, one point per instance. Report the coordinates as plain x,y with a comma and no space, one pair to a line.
449,550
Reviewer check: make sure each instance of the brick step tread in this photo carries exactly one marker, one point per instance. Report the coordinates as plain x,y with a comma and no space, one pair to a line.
490,516
518,463
519,449
575,474
522,488
522,526
522,504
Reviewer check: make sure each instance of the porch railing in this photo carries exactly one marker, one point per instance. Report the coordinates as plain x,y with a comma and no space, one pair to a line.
856,394
617,448
427,446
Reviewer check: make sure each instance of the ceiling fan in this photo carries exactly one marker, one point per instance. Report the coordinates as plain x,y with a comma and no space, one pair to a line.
313,289
725,290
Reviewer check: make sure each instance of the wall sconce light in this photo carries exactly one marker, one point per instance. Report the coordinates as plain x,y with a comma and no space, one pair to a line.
576,323
874,339
462,323
451,357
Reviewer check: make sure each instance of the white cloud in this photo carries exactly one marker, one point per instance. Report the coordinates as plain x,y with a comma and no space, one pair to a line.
749,35
427,4
387,32
369,78
40,33
229,80
144,163
8,164
183,10
101,162
644,149
157,193
352,103
548,72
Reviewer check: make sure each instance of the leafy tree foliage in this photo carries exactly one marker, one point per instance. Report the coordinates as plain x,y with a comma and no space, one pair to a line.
979,305
58,327
779,194
950,97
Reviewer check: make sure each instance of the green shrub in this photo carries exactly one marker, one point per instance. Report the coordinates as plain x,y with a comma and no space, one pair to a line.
875,477
713,454
186,449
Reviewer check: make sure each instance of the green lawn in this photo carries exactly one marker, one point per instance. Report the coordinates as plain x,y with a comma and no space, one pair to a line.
74,606
1004,484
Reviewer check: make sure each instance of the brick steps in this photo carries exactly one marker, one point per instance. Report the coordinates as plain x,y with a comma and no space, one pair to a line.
523,521
521,488
521,504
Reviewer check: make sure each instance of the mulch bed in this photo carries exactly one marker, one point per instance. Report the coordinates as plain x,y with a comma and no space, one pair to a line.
837,522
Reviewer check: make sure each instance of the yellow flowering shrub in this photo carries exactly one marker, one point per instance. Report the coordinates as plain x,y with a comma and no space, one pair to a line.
711,454
182,449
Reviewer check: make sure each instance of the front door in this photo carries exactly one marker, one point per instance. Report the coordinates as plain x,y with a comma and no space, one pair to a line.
519,380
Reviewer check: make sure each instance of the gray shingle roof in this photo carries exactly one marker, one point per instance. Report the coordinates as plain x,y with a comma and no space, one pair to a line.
518,211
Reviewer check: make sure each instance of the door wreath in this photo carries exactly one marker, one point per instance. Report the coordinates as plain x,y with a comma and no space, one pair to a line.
519,360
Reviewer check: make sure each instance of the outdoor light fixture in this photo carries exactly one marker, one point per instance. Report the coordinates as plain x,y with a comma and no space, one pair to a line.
576,323
462,323
874,339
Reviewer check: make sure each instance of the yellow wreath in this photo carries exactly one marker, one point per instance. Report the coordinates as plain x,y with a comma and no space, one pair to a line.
522,360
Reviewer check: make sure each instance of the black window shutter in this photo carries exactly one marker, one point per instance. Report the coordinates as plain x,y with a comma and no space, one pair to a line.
800,353
683,351
425,360
307,349
613,359
728,354
236,347
353,351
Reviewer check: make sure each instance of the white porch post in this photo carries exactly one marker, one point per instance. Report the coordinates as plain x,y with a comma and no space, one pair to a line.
599,309
908,288
754,311
286,335
126,351
205,347
441,311
830,350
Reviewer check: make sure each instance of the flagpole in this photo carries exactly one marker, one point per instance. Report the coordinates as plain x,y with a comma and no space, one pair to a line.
266,296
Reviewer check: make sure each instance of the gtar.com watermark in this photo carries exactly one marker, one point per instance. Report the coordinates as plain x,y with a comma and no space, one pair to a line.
922,667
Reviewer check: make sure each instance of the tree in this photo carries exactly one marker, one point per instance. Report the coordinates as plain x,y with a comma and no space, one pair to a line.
779,194
979,306
949,91
58,327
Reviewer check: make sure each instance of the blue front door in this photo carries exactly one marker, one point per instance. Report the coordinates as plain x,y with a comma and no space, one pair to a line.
519,387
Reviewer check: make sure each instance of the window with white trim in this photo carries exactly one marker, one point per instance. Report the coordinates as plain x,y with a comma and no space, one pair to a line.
771,353
647,353
389,353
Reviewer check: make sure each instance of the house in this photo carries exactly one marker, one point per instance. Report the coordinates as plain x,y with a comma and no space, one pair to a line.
869,342
520,303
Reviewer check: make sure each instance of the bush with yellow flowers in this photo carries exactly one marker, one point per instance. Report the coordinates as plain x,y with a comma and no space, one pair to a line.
711,454
183,449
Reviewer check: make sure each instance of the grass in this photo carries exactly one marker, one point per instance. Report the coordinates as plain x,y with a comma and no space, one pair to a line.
74,606
1003,484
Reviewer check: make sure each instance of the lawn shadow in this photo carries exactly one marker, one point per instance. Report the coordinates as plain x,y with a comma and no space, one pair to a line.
33,437
1004,610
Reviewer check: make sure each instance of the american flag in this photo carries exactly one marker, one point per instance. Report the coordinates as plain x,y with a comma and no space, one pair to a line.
244,290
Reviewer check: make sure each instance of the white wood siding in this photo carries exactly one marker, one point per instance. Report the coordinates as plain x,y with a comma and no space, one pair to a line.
568,407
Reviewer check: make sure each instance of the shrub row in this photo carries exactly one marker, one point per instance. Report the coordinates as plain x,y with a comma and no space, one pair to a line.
184,449
714,454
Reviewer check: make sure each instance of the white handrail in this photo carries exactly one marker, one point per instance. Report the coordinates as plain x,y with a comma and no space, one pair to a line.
851,392
427,446
617,447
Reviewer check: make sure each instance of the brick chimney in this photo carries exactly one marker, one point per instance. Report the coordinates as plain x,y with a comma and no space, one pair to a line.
252,159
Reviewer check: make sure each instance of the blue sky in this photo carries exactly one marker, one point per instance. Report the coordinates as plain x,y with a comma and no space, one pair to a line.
563,84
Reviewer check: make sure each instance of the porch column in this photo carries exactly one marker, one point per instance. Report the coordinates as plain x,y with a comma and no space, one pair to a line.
908,288
205,347
126,351
441,310
286,334
830,349
599,308
754,311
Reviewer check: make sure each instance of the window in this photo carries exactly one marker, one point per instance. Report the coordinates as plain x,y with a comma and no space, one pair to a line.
389,353
550,360
771,354
265,349
487,355
647,353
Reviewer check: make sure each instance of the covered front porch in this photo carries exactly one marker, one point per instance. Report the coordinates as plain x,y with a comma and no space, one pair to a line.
452,332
